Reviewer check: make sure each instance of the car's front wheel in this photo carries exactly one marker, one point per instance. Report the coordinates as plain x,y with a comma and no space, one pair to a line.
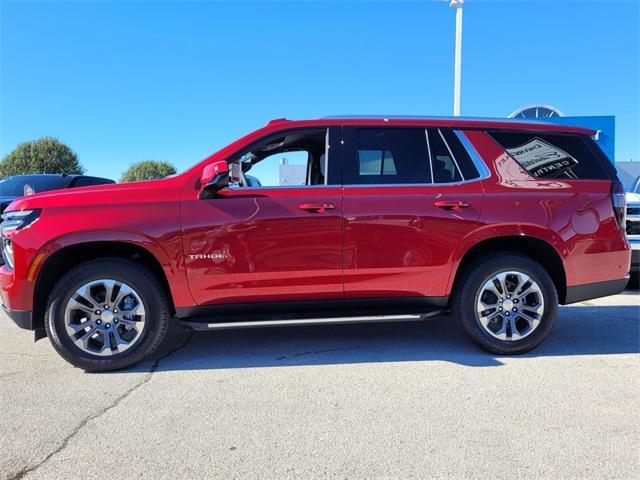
107,314
506,303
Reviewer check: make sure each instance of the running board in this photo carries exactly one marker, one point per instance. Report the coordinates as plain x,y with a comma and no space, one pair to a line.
308,321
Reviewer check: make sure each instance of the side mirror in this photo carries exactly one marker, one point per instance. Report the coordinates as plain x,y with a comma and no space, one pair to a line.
215,177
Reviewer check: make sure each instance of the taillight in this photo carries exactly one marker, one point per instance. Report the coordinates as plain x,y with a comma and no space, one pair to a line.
619,203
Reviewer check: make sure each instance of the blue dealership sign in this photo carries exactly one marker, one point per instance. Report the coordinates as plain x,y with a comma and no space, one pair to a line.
604,125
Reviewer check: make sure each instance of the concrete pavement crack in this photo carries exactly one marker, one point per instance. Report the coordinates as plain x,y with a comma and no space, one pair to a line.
329,350
65,442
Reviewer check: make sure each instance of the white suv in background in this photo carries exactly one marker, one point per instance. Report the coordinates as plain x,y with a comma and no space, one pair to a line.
633,224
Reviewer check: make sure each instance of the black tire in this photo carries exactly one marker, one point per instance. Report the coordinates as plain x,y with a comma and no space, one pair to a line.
146,286
469,286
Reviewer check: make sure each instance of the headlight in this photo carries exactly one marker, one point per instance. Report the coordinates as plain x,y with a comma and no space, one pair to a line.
17,219
12,221
7,252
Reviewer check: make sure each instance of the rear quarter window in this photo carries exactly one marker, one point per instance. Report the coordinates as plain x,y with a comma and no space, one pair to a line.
556,155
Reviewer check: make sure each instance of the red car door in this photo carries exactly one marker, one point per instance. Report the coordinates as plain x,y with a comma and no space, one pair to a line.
275,240
400,228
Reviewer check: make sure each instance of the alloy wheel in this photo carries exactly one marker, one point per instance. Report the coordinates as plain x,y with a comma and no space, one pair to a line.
510,306
104,317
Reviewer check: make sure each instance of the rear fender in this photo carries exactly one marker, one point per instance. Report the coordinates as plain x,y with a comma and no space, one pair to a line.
496,231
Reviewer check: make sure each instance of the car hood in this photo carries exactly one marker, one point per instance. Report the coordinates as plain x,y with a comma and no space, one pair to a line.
110,194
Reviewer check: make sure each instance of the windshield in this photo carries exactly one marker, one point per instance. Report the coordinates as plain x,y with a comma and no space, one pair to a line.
19,186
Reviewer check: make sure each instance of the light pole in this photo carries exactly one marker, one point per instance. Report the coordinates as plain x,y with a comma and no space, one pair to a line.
457,4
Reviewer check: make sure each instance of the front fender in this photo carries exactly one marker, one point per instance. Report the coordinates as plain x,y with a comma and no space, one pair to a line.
168,254
89,236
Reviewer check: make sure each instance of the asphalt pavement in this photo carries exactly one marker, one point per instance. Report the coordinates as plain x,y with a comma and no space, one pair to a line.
397,400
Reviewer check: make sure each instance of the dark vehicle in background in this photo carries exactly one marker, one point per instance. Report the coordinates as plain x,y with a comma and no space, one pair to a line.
21,185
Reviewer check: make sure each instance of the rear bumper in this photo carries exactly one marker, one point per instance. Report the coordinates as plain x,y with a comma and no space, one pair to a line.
22,318
578,293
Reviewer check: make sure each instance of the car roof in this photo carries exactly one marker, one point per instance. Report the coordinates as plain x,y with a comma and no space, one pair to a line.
435,121
70,176
48,175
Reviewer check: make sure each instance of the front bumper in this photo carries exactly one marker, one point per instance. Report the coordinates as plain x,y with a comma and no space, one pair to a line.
22,318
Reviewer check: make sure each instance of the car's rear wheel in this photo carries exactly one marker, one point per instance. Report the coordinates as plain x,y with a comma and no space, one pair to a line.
506,303
107,314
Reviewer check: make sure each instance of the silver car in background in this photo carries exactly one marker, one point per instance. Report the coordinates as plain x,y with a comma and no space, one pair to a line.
633,224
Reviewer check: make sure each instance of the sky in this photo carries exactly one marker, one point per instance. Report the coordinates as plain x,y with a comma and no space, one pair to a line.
125,81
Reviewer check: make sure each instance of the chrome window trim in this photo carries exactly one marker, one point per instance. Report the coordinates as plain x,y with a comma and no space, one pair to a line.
452,156
284,186
481,167
483,171
426,134
339,185
413,184
326,157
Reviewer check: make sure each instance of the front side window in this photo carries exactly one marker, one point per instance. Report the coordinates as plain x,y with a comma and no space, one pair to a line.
280,170
296,158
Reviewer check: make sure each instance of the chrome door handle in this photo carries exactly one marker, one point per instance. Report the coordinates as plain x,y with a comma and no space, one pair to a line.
451,204
316,206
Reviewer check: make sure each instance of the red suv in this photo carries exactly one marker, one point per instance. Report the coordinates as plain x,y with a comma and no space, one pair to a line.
323,221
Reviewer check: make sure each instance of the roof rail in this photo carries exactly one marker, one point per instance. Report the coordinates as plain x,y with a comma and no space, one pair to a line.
278,120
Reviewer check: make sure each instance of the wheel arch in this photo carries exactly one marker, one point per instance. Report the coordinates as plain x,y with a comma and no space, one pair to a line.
60,261
533,247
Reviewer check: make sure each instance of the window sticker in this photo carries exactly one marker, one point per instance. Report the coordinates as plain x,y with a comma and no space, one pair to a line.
542,159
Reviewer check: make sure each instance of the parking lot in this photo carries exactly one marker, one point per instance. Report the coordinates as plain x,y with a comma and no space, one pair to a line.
410,400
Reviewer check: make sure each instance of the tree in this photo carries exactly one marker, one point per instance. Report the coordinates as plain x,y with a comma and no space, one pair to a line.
147,170
44,155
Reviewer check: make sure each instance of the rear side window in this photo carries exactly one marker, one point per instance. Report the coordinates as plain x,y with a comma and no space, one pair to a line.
556,155
388,155
396,155
376,162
